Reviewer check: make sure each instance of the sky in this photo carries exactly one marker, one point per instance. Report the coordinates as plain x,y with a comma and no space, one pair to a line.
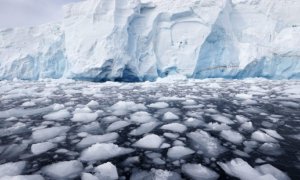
18,13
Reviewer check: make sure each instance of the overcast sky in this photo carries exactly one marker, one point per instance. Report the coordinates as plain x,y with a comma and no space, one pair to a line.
14,13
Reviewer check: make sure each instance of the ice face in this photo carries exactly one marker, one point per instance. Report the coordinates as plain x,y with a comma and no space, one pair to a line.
151,39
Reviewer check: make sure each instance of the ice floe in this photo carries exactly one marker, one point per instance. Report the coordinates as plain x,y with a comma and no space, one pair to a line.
102,151
150,141
63,170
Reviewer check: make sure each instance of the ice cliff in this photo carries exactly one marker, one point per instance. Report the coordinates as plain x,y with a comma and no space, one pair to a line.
136,40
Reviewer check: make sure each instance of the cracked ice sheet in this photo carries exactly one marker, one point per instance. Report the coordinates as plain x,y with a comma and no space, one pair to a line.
150,129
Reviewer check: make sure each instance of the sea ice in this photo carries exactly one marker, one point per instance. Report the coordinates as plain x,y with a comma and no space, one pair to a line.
107,171
242,170
269,169
101,151
170,116
93,139
84,117
124,107
88,176
63,170
23,177
93,104
262,137
144,128
241,119
272,149
199,172
12,168
159,105
117,125
215,126
222,119
232,136
57,116
49,133
273,133
150,141
178,152
43,147
204,142
175,127
141,117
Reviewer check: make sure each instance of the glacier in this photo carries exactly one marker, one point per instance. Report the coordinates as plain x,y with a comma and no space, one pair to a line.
139,40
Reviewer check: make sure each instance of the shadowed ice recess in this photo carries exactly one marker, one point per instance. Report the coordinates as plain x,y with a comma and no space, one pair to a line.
164,130
139,40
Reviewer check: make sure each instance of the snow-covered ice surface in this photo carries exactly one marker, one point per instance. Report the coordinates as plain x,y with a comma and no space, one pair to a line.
179,129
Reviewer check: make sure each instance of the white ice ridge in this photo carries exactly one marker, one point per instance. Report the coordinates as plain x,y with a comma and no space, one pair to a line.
136,40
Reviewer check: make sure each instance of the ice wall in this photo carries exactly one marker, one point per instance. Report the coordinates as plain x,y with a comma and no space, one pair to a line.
137,40
32,53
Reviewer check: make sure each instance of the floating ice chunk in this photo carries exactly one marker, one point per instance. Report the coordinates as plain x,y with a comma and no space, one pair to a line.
150,141
158,174
222,119
57,116
175,127
93,128
178,152
189,102
242,170
141,117
273,133
84,117
241,153
93,104
269,169
40,148
244,96
232,136
88,176
214,126
117,125
17,128
171,135
262,137
12,168
49,133
271,149
159,105
144,128
199,172
241,119
248,126
90,140
123,108
192,122
110,119
23,177
19,112
170,116
83,110
107,171
57,107
290,104
102,151
63,170
204,142
28,104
